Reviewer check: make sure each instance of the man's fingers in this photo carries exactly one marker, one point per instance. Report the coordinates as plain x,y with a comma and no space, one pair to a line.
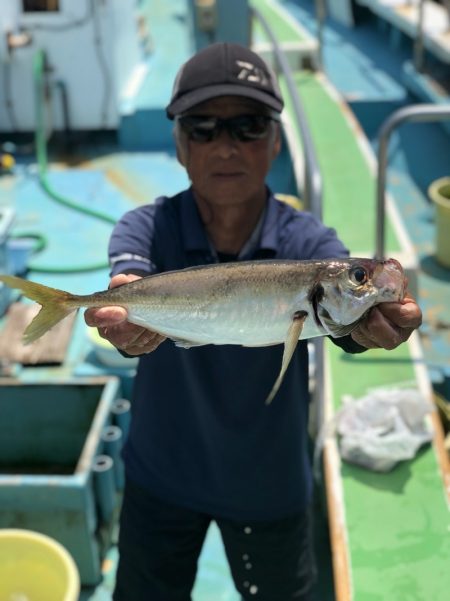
113,325
362,335
378,331
122,278
122,335
146,342
404,315
109,316
105,316
131,338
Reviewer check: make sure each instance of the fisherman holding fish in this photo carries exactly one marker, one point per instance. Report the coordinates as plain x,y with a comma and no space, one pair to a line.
203,445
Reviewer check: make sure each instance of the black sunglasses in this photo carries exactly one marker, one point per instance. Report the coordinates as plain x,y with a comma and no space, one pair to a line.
244,128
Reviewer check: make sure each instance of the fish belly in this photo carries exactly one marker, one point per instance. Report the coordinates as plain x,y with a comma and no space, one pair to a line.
244,321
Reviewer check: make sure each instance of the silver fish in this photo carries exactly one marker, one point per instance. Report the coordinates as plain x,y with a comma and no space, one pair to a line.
257,303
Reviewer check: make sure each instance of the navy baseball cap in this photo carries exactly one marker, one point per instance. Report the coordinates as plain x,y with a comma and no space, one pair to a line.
224,69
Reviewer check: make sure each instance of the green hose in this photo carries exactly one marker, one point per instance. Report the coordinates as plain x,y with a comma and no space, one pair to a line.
41,155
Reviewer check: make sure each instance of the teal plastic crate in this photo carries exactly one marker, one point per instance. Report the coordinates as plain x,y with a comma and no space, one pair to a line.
50,441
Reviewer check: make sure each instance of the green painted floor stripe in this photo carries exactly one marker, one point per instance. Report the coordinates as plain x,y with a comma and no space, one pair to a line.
349,185
283,29
397,522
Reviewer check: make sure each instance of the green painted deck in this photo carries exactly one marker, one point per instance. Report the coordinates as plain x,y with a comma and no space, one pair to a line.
396,525
284,27
349,183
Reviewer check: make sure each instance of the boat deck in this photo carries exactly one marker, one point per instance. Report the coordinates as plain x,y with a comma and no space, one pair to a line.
367,71
395,522
404,15
369,547
391,522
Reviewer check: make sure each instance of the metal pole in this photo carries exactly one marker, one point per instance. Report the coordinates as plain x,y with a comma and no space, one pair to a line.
415,113
320,17
313,178
313,189
447,6
418,40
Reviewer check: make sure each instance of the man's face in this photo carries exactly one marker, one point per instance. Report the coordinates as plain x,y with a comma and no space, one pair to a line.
226,170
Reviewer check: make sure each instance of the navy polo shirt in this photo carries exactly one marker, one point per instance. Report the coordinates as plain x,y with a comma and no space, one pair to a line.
201,434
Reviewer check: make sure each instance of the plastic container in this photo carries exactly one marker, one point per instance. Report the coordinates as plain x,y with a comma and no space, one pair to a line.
439,193
50,434
35,567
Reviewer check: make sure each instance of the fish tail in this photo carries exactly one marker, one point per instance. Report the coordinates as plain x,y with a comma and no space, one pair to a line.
56,304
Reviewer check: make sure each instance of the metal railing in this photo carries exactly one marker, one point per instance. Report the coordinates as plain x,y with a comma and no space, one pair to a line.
321,14
446,3
312,192
415,113
419,38
419,49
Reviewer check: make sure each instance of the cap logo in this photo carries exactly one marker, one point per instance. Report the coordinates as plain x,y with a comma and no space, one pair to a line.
248,72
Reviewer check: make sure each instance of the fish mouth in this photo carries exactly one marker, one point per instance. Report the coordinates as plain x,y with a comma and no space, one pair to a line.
390,279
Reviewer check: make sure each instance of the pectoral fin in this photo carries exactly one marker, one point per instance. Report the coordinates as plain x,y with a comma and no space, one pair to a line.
181,343
294,333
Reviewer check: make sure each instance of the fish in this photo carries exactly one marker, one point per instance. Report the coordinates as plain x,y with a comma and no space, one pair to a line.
248,303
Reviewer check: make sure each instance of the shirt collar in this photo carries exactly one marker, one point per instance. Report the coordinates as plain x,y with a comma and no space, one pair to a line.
264,237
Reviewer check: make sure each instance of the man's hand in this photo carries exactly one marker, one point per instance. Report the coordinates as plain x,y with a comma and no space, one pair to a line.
389,324
112,325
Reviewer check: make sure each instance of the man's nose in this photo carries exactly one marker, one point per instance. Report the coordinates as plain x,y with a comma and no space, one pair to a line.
226,144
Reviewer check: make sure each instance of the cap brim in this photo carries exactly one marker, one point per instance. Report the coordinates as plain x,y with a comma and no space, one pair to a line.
191,99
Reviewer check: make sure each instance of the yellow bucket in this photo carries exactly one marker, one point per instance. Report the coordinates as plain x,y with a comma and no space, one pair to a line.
439,193
35,567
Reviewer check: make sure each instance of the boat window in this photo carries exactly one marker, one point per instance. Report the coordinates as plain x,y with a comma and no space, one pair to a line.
34,6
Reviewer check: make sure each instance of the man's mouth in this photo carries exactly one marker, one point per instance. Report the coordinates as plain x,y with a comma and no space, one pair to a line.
228,174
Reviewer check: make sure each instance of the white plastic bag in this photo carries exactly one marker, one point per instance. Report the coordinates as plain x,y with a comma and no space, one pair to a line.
384,427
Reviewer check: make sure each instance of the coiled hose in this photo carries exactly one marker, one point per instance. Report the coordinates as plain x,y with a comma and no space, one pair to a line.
39,66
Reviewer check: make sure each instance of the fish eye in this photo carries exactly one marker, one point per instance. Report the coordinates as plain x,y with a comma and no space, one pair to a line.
358,275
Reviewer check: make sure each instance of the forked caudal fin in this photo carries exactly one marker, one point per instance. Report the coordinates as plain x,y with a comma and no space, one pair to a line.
56,304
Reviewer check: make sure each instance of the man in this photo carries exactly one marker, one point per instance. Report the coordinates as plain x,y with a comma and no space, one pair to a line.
203,445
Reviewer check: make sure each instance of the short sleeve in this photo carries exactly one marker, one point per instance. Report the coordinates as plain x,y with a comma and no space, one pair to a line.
131,242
